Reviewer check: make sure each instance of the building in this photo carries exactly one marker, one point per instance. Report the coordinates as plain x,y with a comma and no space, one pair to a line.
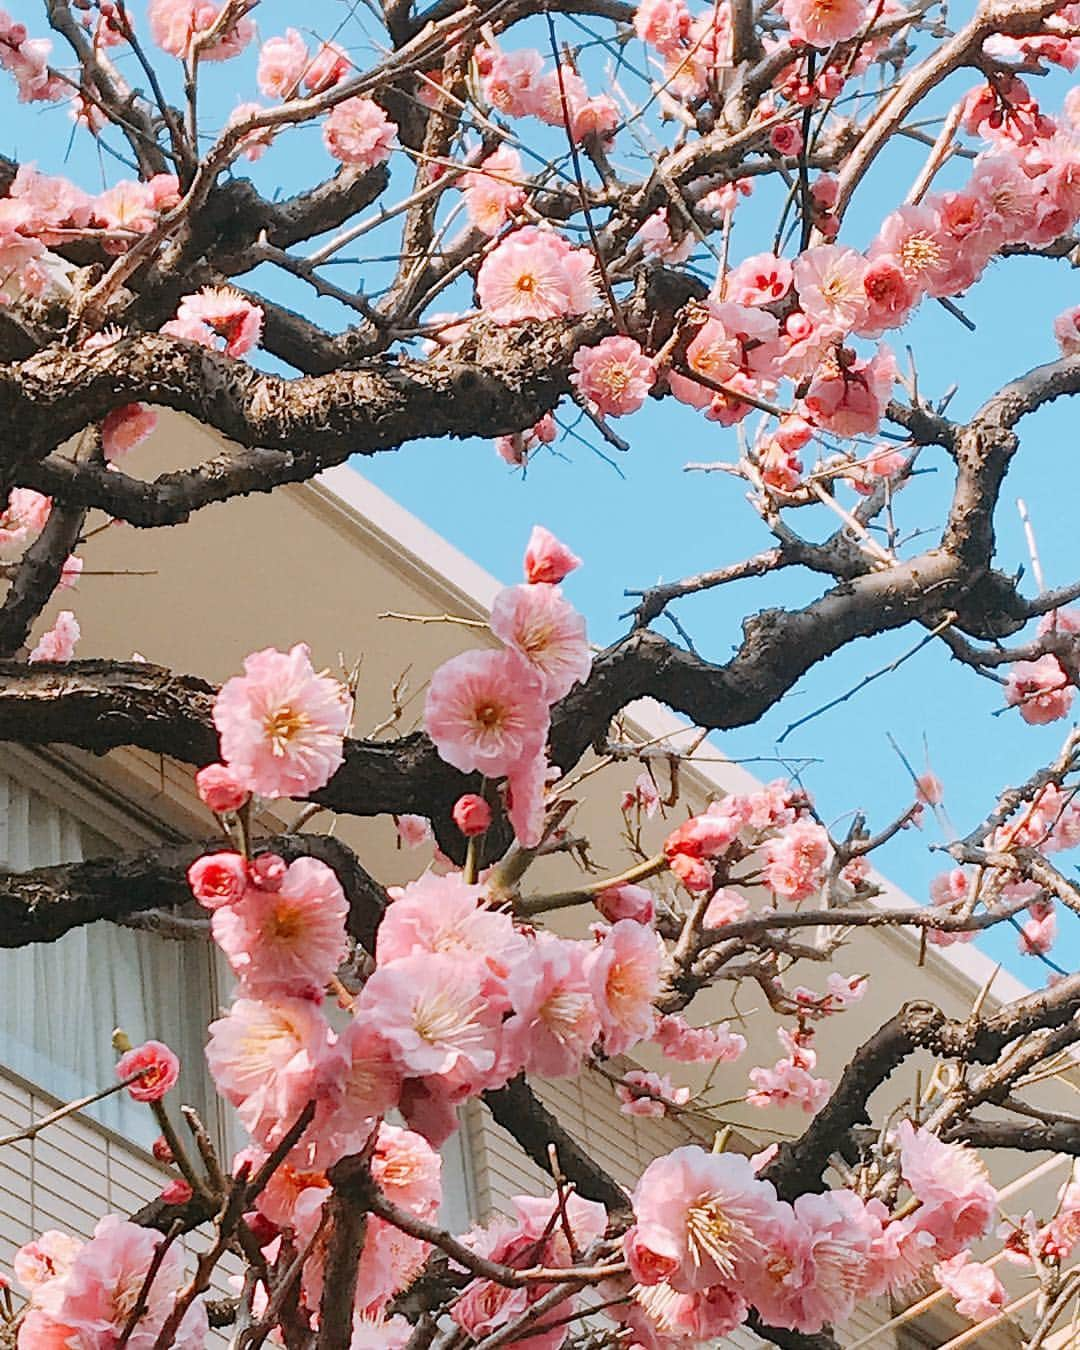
334,557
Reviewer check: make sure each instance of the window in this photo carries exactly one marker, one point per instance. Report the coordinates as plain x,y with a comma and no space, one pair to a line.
62,1000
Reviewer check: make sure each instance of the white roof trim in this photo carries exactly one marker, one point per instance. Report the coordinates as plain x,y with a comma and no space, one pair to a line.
399,531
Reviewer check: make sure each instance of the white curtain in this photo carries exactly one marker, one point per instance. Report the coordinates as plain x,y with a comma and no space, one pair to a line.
60,1001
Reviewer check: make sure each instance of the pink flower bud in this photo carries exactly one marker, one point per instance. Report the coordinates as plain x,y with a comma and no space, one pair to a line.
157,1067
627,902
161,1150
177,1192
786,139
472,815
546,559
267,871
219,789
218,879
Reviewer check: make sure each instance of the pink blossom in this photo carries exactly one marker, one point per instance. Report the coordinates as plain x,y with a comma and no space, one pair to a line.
1040,689
177,1192
698,1045
357,131
1067,331
436,1013
759,280
515,449
703,1219
289,941
547,559
445,914
914,239
328,67
643,796
218,879
615,375
627,902
360,1081
494,191
174,23
1060,620
252,144
265,1058
486,711
510,84
282,61
656,238
820,23
58,644
556,96
958,1201
726,906
22,520
534,620
624,976
664,24
649,1094
105,1282
222,312
282,726
890,296
413,830
525,791
125,428
829,280
848,394
268,871
378,1333
555,1021
472,815
46,1258
978,1292
1038,933
220,789
786,139
535,274
795,861
788,1083
811,1275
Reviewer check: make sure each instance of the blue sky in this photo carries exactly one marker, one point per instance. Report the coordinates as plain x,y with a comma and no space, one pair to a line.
643,518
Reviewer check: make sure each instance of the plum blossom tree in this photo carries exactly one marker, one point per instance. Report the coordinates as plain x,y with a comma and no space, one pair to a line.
586,274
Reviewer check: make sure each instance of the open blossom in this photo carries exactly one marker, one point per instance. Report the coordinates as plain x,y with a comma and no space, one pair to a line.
759,280
823,22
282,61
958,1201
535,274
413,830
22,520
218,311
46,1258
486,711
436,1013
494,191
697,1045
445,914
1040,689
788,1083
555,1021
649,1094
812,1273
664,24
58,644
978,1292
537,622
511,82
157,1067
175,23
829,280
624,975
848,394
125,428
105,1282
360,1080
282,726
265,1057
615,375
357,131
286,941
643,796
703,1219
726,906
795,861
